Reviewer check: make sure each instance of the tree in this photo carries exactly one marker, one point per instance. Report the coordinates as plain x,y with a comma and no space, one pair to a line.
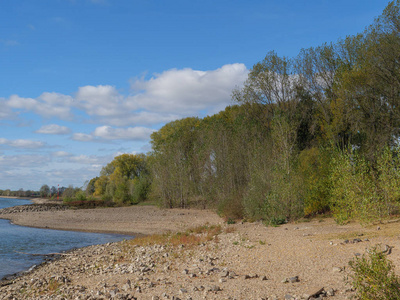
53,190
121,179
91,186
44,191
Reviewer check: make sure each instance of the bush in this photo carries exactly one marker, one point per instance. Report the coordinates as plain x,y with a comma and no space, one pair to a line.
231,208
364,190
373,277
80,196
67,200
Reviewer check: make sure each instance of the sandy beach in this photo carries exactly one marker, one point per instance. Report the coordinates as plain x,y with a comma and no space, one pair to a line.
241,261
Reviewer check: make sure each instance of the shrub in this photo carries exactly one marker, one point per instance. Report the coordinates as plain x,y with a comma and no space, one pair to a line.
231,208
80,196
373,277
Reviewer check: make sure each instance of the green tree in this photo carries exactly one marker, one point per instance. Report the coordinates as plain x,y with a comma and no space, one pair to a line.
44,191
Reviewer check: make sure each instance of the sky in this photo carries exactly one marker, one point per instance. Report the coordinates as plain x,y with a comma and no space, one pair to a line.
82,81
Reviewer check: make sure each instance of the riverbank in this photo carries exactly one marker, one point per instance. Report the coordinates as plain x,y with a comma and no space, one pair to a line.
132,220
239,261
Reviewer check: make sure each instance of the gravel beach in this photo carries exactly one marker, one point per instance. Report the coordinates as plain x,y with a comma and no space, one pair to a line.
306,260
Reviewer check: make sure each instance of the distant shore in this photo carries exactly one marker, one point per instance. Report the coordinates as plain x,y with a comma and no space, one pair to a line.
132,220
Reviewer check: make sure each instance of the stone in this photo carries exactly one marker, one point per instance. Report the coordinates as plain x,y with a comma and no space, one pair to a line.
337,269
214,288
224,274
330,292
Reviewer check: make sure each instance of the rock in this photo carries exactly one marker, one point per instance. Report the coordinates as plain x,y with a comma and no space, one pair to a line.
337,269
224,274
293,279
214,288
330,292
318,293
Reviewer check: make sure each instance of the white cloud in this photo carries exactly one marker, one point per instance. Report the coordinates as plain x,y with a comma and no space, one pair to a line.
53,129
101,100
20,143
84,159
188,91
61,154
133,133
82,137
22,161
46,105
109,133
164,97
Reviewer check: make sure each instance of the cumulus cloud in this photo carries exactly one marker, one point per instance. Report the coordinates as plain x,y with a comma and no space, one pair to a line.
53,129
188,91
164,97
46,105
82,137
20,143
133,133
102,100
110,133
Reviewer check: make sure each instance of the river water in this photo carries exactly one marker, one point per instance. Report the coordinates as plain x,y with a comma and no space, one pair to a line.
16,239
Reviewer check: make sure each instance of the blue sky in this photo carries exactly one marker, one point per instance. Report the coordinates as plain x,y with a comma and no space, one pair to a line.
82,81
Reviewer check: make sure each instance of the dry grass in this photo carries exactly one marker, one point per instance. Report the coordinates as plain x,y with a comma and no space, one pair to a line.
230,229
192,237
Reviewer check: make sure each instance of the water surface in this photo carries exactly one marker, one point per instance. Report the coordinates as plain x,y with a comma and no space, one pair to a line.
16,240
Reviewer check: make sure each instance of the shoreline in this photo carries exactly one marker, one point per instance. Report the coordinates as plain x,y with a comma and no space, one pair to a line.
243,261
130,220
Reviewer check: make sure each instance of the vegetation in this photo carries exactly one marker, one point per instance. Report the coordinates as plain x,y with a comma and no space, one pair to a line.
313,134
373,277
190,238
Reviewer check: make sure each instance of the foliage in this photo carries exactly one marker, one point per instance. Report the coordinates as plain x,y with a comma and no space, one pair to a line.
310,134
314,170
373,277
359,191
123,181
44,191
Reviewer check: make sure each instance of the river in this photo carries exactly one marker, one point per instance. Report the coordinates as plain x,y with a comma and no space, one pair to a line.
16,240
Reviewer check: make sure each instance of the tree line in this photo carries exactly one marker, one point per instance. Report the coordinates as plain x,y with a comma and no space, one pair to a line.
312,134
